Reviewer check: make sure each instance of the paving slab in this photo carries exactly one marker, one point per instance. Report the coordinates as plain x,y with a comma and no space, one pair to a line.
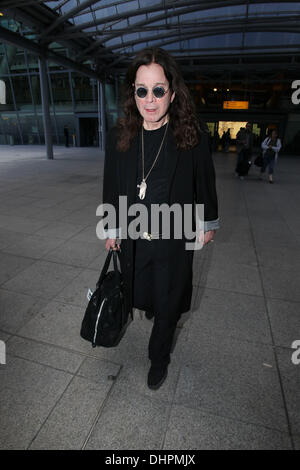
59,230
274,237
88,234
290,374
231,314
28,393
72,419
21,224
283,258
281,285
285,321
297,442
9,237
4,336
234,277
17,309
33,246
130,421
192,429
58,324
74,253
12,265
233,235
241,253
231,378
82,217
44,354
42,279
98,261
76,291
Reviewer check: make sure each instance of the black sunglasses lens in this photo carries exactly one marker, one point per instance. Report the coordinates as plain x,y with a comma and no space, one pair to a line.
141,92
159,92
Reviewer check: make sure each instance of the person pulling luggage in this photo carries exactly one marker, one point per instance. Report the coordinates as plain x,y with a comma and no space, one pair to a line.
245,143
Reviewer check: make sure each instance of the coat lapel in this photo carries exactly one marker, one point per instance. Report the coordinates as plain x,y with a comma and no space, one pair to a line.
172,160
130,171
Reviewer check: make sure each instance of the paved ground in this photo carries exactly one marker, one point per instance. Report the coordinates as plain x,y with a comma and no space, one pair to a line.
231,383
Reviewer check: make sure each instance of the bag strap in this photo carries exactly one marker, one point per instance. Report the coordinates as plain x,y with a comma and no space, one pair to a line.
115,255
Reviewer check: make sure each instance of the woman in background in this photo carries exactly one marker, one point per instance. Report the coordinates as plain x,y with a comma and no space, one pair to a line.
271,146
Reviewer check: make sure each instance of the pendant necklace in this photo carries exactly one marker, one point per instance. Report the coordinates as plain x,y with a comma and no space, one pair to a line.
143,185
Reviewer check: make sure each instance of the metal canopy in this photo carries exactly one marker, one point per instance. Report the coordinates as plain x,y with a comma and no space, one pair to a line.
101,36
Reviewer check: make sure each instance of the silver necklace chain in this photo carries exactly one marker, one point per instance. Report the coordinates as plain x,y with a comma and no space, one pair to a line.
143,185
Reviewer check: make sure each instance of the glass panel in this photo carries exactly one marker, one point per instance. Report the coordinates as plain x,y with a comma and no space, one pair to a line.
128,7
65,124
22,91
16,59
83,93
8,94
10,128
33,64
29,128
61,89
36,89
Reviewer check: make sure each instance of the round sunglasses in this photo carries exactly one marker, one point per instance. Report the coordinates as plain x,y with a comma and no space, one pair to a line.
158,92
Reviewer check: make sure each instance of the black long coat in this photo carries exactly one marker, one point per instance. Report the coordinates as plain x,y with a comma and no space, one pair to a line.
191,179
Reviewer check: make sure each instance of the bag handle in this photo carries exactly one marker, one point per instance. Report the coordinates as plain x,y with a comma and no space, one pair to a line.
106,266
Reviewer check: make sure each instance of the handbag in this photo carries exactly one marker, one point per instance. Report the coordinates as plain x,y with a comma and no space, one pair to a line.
105,320
270,154
259,161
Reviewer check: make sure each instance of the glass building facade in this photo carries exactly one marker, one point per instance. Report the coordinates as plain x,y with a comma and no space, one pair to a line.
228,51
74,100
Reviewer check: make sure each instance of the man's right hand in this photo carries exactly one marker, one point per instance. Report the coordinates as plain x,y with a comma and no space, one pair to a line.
112,243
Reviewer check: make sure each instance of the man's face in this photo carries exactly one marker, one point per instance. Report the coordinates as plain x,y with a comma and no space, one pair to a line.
153,110
248,127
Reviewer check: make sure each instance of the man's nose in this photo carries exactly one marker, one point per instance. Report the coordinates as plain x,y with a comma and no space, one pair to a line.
150,97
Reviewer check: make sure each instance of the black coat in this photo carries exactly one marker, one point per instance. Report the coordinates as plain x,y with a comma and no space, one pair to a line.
191,179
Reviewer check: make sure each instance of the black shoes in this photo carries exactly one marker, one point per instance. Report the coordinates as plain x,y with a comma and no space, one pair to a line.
149,315
157,376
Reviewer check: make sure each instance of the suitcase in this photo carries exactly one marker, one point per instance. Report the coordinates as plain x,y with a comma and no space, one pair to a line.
243,167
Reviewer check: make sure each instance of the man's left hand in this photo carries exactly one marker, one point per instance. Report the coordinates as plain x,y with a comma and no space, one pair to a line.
208,236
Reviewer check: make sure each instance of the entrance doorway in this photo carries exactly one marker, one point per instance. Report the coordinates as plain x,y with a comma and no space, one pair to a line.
233,127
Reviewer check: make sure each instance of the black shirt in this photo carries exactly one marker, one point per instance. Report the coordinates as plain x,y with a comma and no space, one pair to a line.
157,181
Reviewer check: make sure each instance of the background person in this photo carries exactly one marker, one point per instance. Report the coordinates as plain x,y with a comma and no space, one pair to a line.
66,134
271,147
159,142
245,145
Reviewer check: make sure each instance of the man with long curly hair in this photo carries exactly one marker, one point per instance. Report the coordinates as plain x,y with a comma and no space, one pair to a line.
158,153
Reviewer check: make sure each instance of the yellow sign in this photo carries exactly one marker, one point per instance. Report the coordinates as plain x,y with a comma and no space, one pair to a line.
235,104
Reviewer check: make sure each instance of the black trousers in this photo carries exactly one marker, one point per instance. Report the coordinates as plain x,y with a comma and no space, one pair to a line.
150,293
161,339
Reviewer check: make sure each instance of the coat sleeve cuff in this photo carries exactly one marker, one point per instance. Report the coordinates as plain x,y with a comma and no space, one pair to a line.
211,225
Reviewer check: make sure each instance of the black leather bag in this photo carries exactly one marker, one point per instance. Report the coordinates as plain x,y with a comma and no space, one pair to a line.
105,319
270,154
244,165
259,161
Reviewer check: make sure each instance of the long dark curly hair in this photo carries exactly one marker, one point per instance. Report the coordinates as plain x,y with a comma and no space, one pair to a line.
183,120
